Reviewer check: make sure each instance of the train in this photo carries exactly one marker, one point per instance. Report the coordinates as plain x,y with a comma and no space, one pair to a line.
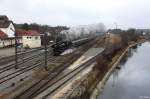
61,46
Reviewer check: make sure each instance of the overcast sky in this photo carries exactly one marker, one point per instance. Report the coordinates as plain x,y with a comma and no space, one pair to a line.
126,13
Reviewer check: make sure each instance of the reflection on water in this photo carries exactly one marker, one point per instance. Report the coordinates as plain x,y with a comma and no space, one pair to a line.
132,81
129,54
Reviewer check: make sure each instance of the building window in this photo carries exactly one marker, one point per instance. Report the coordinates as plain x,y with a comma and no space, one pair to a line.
29,37
36,37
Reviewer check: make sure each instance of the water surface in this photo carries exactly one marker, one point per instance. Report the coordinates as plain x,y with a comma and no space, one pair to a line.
132,81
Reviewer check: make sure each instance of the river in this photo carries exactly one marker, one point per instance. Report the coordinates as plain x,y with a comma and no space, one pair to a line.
132,80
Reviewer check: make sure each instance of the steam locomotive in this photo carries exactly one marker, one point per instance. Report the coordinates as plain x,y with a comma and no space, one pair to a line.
61,46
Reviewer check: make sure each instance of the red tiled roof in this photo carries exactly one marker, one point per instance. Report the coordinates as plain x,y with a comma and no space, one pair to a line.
3,35
21,32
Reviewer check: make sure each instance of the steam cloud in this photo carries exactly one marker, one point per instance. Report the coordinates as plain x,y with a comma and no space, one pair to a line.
84,30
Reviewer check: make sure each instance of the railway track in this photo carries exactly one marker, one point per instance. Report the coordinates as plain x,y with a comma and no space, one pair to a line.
46,82
46,79
38,87
5,60
18,72
9,79
11,66
31,65
51,84
22,60
49,90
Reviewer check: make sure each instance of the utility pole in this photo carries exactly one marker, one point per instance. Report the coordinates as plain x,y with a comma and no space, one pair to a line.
16,50
116,26
45,46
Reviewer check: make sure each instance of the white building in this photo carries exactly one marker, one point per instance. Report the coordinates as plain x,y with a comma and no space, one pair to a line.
2,37
29,38
7,26
5,41
7,32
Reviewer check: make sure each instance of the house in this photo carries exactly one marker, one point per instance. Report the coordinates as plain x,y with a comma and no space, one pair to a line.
7,26
30,38
6,32
2,36
5,41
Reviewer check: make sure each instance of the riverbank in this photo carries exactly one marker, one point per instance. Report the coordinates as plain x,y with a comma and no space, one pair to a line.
132,80
99,88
